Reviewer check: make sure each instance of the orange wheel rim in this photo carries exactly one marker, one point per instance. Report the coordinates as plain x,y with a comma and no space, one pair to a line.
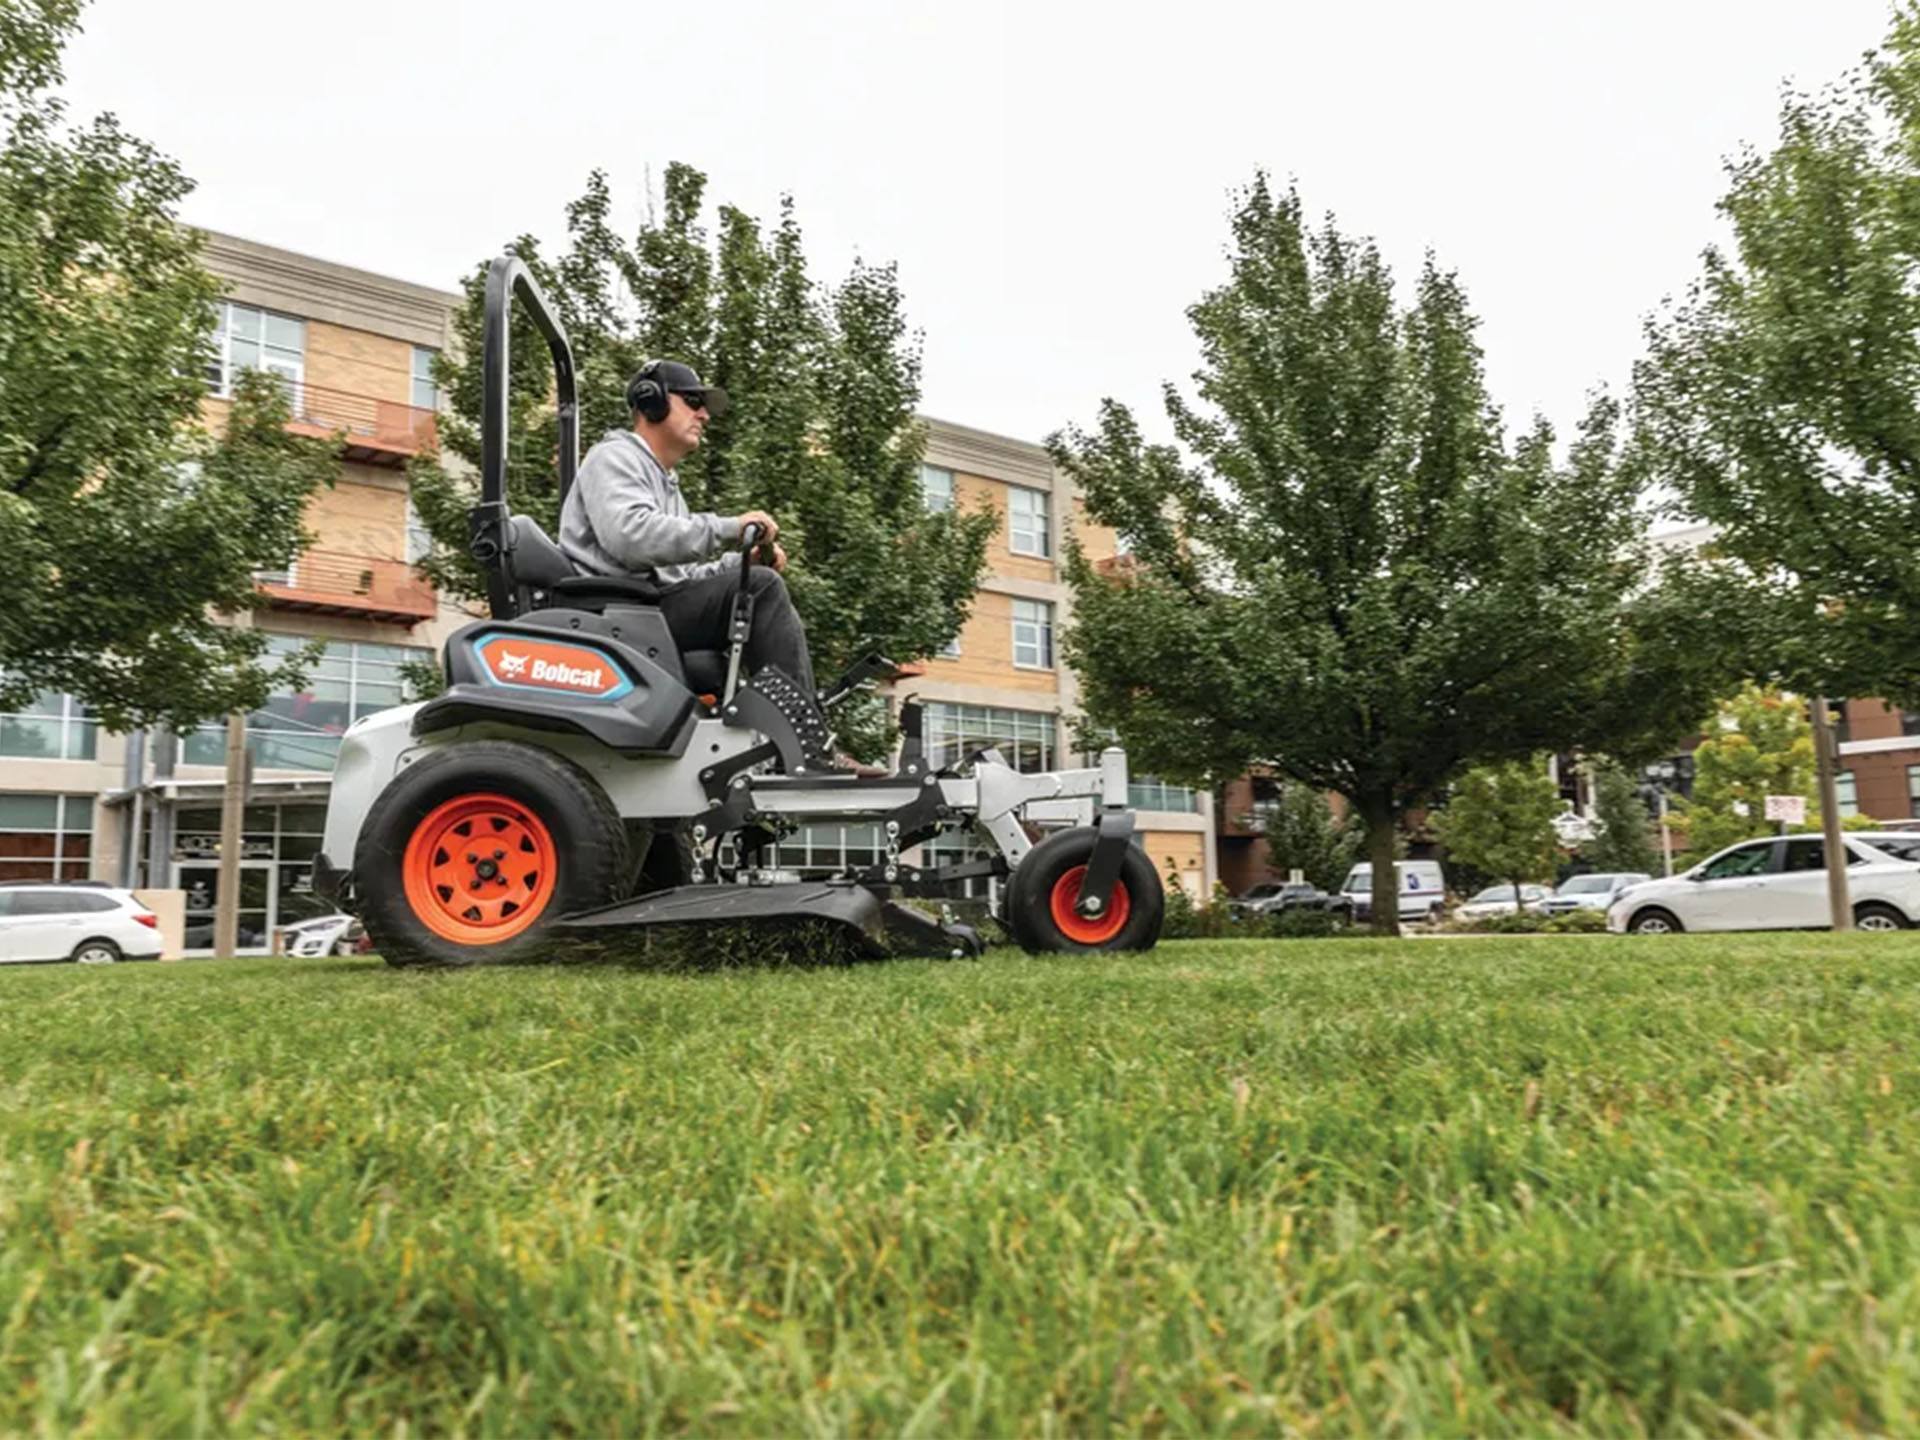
1085,929
479,869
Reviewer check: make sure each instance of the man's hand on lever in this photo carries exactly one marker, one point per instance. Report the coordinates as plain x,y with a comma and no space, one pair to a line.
773,554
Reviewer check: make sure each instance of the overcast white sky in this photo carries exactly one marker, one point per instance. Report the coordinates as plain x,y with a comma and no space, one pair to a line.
1052,179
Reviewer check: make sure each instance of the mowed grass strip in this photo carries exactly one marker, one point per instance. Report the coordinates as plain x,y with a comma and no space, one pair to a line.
1486,1186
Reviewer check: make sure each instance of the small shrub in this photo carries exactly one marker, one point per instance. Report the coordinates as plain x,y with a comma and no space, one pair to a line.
1524,923
1182,918
1577,922
1573,922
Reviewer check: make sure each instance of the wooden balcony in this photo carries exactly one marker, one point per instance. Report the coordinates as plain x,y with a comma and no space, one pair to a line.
375,432
330,582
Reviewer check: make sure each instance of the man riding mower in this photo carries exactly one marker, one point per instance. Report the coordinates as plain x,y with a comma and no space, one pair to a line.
584,774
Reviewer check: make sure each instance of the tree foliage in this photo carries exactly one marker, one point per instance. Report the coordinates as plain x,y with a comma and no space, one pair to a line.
1760,744
822,432
1302,834
1355,577
128,530
1499,820
1623,842
1778,400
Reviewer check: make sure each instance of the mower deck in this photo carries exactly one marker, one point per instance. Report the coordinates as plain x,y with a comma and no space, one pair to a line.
882,928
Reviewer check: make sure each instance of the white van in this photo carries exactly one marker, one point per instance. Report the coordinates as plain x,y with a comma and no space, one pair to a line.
1423,890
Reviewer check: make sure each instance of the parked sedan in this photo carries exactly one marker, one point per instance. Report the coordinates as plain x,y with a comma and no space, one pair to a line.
1274,896
1779,883
1590,892
1498,900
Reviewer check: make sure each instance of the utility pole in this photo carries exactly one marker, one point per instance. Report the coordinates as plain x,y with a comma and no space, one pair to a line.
233,799
1824,758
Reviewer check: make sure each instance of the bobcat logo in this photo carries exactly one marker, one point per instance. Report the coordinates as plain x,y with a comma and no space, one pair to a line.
512,665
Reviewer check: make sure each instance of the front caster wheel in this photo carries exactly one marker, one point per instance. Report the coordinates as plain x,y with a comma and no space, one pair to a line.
1043,892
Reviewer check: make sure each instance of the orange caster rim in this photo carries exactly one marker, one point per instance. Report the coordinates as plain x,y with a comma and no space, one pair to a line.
1087,929
479,869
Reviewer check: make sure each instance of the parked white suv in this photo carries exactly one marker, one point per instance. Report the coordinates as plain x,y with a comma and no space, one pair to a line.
1779,883
89,924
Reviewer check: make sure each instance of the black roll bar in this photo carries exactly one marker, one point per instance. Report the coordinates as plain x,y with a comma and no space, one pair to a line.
487,525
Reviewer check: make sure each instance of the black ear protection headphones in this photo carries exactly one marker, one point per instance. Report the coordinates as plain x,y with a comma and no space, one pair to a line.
646,396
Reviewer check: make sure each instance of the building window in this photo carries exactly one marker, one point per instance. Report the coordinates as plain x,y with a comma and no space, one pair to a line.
1913,791
1033,634
46,837
51,726
951,650
960,848
816,851
1027,529
302,731
1846,794
1024,738
1151,793
248,339
426,395
936,487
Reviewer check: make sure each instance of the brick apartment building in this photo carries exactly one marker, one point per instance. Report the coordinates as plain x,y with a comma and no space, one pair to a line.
355,350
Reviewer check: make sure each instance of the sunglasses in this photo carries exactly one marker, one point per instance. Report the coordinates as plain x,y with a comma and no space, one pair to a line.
696,399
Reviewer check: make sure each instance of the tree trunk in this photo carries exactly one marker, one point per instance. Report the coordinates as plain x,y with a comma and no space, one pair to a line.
1516,897
1386,879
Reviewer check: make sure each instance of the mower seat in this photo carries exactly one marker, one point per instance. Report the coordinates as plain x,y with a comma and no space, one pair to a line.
540,569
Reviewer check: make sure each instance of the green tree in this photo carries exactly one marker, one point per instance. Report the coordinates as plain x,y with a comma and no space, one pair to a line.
1760,744
1778,399
822,433
130,533
1623,843
1499,820
1301,834
1355,578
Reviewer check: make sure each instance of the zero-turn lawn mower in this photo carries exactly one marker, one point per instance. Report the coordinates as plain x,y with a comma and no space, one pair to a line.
581,776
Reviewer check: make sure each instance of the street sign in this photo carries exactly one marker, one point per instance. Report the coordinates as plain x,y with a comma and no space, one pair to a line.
1790,808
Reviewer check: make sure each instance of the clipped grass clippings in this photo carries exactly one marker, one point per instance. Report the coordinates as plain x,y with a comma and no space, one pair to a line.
1526,1185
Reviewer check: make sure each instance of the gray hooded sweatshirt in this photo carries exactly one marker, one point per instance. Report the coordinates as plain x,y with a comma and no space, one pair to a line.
625,515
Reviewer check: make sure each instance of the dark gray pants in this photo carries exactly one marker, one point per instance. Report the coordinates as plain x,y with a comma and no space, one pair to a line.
698,613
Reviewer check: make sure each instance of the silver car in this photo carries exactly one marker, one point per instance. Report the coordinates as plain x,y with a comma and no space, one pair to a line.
1590,892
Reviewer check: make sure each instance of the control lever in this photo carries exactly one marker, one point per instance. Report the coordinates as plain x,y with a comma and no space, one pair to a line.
871,666
741,626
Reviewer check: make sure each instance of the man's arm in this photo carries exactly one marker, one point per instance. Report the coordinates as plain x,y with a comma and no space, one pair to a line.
624,509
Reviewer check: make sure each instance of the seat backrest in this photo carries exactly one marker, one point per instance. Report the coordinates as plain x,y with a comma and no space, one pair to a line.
537,563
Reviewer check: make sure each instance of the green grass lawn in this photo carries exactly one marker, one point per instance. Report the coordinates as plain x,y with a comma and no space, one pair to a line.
1485,1186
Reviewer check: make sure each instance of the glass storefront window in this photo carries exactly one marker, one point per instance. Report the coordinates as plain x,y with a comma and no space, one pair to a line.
277,846
301,731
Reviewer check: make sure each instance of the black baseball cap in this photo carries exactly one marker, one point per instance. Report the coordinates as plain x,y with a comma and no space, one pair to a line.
678,379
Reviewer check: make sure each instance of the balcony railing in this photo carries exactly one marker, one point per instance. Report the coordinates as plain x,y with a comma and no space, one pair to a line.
331,582
378,432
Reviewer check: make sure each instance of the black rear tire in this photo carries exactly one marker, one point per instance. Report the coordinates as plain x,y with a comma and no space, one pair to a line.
1030,910
96,952
588,840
